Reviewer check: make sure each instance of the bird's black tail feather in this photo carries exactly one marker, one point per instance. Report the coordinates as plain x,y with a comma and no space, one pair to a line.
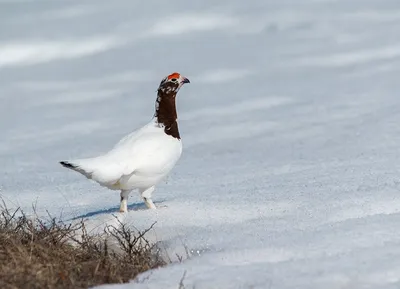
76,167
68,165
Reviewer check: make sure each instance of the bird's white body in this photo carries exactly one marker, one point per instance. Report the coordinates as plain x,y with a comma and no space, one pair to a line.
140,160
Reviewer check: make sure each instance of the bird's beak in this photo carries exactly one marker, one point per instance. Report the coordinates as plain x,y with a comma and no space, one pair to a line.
185,80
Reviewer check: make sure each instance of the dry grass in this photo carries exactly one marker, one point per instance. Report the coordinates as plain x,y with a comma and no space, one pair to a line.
39,254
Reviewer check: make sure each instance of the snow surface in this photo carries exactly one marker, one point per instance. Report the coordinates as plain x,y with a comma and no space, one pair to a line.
289,176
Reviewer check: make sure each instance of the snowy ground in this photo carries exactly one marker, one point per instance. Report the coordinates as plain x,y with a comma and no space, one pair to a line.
290,172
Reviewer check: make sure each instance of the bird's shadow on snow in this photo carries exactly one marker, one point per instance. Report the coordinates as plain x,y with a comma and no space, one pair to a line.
131,207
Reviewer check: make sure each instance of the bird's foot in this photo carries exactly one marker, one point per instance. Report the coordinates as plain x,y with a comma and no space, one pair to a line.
149,203
123,208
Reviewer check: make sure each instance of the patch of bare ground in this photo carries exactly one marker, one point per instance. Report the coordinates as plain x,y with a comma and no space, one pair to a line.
37,253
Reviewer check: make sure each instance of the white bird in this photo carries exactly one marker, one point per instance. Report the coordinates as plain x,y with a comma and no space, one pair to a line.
144,157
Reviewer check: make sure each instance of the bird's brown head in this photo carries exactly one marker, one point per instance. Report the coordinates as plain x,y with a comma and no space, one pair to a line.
172,83
165,104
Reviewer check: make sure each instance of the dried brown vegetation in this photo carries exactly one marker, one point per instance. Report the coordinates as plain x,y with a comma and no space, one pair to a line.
50,254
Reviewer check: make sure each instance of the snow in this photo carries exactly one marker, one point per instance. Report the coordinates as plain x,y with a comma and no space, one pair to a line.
289,173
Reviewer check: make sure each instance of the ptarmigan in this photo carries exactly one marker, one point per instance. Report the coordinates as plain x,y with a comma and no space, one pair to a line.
144,157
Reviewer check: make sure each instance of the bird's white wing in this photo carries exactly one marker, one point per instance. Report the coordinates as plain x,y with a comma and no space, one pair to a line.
145,152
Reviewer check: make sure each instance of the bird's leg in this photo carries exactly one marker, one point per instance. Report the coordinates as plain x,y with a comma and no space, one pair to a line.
146,195
123,208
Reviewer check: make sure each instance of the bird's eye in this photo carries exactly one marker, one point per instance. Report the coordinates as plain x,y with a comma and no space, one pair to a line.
174,79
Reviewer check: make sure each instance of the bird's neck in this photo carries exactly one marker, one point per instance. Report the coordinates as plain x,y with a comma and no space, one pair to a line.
165,113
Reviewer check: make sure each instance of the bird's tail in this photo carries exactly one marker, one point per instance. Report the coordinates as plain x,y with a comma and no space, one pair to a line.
78,166
68,165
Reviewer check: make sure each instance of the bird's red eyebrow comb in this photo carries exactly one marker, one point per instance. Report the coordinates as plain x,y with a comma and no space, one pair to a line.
174,75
